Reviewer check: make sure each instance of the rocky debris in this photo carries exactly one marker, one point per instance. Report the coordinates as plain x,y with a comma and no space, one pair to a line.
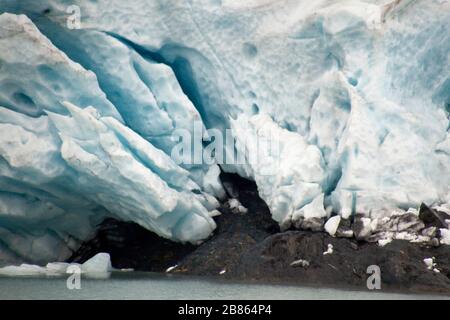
362,228
313,224
400,262
429,232
132,246
412,225
345,229
432,217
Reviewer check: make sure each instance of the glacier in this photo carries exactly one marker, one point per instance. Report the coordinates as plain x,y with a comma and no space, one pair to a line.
355,93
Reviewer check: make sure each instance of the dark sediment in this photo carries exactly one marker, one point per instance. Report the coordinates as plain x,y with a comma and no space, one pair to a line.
250,247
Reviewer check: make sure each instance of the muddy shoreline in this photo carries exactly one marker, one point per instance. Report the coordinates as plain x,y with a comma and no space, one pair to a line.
249,247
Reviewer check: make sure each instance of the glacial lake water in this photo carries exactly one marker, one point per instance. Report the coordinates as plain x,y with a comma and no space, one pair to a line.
133,285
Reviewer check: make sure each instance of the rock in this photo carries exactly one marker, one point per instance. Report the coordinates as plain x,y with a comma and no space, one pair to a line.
296,223
432,217
313,224
408,222
362,228
345,229
435,242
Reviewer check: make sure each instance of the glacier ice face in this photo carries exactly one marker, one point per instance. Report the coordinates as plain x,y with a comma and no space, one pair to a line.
355,93
65,167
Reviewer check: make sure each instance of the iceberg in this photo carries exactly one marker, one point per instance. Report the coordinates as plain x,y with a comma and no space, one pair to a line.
99,266
355,95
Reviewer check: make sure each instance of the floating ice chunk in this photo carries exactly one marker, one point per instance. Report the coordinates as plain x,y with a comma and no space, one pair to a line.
57,268
100,263
97,266
23,270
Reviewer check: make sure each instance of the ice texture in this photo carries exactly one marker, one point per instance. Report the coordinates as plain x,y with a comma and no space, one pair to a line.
64,167
356,95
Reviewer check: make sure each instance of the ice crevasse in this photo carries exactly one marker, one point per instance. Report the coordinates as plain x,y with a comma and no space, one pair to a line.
356,93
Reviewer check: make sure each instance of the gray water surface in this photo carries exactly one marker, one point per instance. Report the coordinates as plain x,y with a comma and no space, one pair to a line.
133,285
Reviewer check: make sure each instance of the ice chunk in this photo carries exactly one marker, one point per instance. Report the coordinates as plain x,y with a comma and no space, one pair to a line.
23,270
97,266
236,206
100,263
300,263
329,249
445,236
332,225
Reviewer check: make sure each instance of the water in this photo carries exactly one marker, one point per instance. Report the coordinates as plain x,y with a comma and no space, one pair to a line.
133,285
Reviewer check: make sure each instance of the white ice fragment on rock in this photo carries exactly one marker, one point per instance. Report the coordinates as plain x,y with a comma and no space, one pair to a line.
445,236
443,208
383,242
332,225
413,211
214,213
329,249
236,206
171,268
300,263
431,264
